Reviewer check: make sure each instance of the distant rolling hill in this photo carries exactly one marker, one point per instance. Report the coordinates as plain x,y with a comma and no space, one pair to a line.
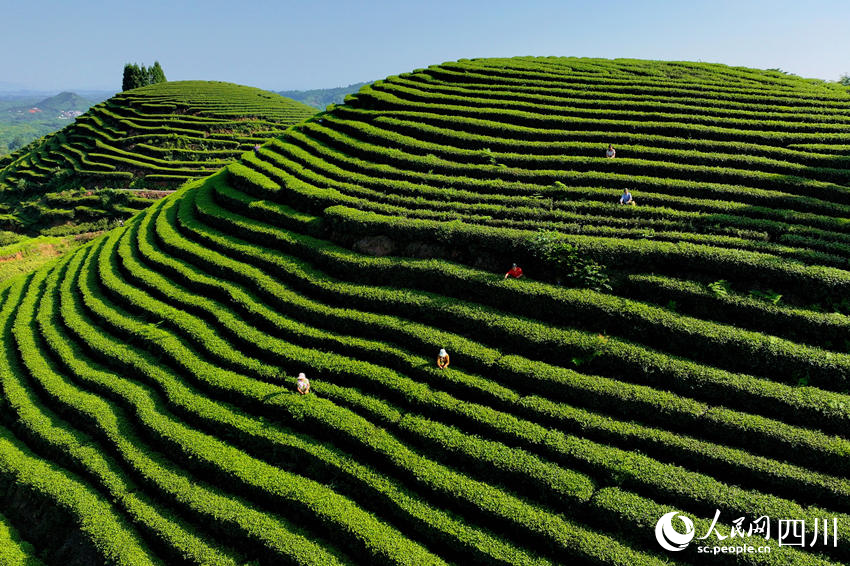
64,101
687,354
152,138
321,97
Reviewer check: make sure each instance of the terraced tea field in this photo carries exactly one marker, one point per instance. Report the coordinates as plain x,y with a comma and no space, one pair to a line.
694,357
153,137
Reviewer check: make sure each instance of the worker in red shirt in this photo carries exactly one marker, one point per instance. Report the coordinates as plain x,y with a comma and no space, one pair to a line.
515,272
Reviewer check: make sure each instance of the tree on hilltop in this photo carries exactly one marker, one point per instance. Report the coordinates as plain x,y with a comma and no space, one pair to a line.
136,76
126,79
156,74
133,77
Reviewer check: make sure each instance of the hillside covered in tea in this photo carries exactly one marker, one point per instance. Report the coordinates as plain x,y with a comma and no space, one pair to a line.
151,138
688,353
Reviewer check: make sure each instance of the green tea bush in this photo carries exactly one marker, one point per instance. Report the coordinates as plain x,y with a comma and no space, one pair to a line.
568,264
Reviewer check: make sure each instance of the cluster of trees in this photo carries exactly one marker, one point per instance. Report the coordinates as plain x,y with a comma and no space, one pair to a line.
136,76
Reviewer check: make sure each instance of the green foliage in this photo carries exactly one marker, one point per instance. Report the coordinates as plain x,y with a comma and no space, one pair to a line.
156,74
598,309
720,288
808,325
488,156
136,76
569,264
14,551
323,415
769,296
132,77
7,238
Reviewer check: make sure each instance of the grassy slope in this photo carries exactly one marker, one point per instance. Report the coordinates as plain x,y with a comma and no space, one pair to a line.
31,253
152,368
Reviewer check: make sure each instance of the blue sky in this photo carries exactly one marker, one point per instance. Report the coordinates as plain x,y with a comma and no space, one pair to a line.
301,44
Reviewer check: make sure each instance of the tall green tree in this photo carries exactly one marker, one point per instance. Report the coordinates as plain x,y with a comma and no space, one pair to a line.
144,79
148,74
125,79
131,76
157,75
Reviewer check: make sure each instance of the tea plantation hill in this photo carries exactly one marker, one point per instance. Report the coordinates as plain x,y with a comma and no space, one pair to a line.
694,357
154,137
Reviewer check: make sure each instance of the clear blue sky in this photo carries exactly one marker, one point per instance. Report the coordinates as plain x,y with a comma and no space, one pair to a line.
301,44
